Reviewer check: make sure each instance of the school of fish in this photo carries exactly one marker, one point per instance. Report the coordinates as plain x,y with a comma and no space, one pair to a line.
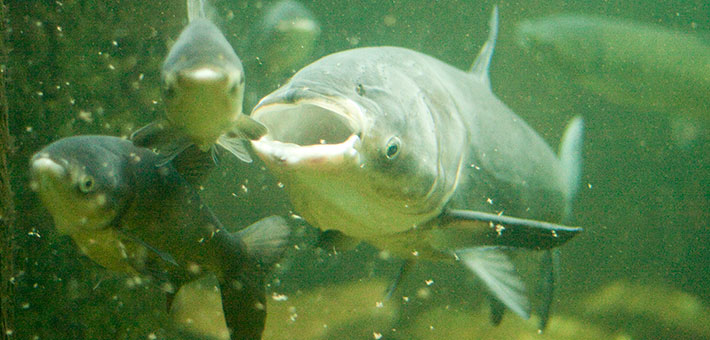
384,145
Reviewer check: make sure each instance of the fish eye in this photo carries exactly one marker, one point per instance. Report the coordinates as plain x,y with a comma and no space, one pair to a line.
168,91
394,144
360,89
234,88
86,184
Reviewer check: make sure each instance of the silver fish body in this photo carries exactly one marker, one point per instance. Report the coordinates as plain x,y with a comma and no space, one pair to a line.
631,63
203,89
203,83
397,148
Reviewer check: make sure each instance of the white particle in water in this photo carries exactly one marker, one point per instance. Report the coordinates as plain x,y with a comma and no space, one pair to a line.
279,297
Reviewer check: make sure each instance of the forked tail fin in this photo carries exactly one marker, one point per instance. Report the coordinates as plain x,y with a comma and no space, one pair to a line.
199,9
570,155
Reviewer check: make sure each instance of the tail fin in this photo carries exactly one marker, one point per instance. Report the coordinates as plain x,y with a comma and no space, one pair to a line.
571,159
242,286
482,63
199,9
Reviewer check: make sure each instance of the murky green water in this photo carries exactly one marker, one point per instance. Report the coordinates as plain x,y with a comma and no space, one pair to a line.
639,271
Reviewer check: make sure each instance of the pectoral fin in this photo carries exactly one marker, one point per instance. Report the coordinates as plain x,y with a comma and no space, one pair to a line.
163,138
235,141
193,164
247,127
163,255
235,146
506,231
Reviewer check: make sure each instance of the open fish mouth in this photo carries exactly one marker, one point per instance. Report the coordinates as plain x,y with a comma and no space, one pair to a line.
316,130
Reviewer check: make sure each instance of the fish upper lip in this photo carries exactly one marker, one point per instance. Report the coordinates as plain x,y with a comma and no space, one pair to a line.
43,169
203,73
335,104
286,145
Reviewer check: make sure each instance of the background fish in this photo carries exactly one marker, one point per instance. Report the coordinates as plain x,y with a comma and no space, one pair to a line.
648,67
203,89
394,147
130,215
286,38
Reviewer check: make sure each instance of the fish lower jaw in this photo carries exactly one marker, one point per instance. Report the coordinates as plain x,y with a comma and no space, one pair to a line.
289,154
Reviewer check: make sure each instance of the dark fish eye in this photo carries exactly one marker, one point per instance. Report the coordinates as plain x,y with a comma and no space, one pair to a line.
168,91
360,89
393,147
235,87
86,184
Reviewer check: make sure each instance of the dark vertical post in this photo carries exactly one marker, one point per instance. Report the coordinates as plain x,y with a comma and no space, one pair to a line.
7,206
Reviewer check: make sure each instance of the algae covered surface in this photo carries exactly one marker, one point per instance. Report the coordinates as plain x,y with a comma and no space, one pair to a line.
640,270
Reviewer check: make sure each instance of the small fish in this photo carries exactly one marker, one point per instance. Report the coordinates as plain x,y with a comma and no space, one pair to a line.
203,89
630,63
399,149
130,215
287,37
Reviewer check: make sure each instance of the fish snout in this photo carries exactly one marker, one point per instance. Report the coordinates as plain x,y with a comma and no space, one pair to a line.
45,171
201,75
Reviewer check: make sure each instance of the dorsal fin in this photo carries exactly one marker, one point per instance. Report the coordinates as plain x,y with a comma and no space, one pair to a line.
482,63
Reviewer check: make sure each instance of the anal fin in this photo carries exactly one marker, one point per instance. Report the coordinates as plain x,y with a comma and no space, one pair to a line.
498,274
549,266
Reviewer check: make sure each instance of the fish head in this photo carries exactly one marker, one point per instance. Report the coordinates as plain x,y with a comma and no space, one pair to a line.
82,182
203,82
287,38
566,41
354,155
